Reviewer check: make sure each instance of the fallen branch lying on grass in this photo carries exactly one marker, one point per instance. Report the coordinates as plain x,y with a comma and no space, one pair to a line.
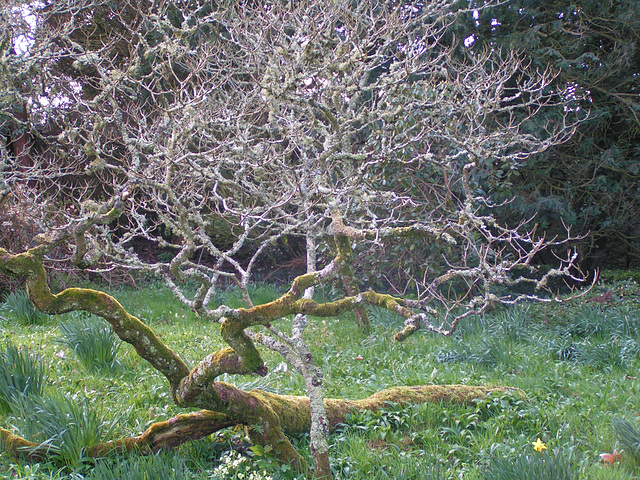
184,428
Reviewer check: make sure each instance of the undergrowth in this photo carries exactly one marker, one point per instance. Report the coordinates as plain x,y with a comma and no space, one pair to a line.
576,362
67,425
22,374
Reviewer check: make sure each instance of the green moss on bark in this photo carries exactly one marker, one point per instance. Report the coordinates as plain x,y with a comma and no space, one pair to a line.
18,447
269,417
129,328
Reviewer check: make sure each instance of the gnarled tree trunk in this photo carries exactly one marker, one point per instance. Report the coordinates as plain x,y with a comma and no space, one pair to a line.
287,415
269,418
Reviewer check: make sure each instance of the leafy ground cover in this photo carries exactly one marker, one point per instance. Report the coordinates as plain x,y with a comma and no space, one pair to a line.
577,363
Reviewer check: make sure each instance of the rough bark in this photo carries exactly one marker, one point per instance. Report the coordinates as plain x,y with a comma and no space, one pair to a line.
180,429
269,418
313,378
219,132
319,423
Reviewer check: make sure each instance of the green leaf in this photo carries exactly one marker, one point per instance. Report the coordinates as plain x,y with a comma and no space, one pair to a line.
258,450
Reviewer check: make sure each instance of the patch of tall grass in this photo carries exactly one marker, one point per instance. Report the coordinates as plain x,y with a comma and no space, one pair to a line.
18,305
629,436
66,425
91,339
21,374
543,466
152,467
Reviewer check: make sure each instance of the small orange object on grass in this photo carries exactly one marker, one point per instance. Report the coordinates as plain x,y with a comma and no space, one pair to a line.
611,458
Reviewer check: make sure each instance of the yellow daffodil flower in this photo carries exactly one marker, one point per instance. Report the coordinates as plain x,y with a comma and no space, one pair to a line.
539,446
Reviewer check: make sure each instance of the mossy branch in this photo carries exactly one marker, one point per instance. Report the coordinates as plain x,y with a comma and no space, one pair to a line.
18,447
291,415
417,230
158,437
244,357
206,372
166,435
128,327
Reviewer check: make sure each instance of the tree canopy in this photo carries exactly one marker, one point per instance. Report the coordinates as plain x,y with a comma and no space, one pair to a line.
215,131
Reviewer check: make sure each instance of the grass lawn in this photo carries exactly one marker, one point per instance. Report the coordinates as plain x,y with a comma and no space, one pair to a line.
577,363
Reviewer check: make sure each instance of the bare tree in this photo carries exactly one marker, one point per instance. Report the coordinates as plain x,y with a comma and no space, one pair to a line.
215,132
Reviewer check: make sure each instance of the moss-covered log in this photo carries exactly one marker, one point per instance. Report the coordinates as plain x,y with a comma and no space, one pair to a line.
158,437
292,412
269,418
19,447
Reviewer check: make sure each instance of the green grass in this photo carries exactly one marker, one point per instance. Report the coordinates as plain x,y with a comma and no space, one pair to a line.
66,424
578,364
21,374
165,467
91,339
556,465
19,307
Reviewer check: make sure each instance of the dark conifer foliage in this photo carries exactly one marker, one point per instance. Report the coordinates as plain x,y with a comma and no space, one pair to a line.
592,181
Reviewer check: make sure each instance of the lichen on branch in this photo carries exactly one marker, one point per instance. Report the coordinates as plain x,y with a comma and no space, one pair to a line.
292,414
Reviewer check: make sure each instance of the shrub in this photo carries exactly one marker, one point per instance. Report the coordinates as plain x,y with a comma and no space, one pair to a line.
19,306
91,339
21,374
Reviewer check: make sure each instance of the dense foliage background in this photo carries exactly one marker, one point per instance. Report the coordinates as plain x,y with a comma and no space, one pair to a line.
592,181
